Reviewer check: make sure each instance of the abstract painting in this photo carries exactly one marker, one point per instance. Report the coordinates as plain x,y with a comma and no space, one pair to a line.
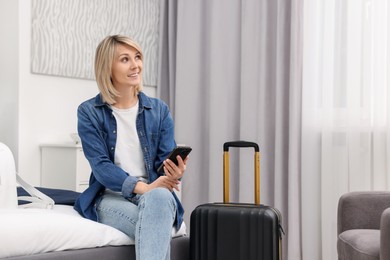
65,34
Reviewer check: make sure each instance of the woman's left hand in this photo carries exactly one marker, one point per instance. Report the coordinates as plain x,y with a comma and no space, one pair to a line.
174,171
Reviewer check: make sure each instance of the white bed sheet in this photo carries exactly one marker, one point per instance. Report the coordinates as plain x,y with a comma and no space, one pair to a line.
34,231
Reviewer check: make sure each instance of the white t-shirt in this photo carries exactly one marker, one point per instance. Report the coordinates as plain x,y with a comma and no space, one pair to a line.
128,151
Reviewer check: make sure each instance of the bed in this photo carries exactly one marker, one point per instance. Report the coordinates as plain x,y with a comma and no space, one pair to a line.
61,233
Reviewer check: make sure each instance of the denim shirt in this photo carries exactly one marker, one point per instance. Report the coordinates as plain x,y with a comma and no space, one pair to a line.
98,132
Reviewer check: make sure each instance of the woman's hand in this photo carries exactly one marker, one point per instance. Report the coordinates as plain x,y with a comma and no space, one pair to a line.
171,180
165,182
162,181
174,171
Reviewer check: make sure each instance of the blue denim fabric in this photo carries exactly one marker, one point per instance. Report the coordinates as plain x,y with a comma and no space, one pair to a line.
97,129
148,219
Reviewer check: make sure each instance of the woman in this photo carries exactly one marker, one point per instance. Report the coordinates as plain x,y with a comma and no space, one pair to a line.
126,136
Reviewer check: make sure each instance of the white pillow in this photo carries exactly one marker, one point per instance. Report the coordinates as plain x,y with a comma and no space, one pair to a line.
33,231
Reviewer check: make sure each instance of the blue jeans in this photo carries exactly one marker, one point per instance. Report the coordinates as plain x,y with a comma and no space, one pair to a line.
147,218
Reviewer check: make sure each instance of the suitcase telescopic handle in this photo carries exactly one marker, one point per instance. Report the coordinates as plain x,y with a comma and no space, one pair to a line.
226,174
240,144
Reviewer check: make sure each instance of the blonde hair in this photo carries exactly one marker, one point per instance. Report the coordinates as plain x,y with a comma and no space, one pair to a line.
104,58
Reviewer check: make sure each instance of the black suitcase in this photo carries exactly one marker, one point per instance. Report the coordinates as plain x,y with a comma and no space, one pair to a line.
236,231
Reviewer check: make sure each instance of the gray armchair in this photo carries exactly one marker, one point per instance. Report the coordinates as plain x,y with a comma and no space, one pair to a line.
363,226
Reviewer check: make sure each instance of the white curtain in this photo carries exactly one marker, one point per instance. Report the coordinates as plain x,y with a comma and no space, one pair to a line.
238,77
306,79
345,112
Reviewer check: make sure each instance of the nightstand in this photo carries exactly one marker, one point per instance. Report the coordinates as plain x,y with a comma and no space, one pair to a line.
64,166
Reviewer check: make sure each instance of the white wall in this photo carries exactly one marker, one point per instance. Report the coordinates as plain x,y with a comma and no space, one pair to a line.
9,79
47,105
43,109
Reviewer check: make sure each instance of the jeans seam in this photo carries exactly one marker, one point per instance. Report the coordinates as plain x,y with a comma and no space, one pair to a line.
140,205
174,210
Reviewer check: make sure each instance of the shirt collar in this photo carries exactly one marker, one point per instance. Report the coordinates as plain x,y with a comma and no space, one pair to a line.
143,101
99,101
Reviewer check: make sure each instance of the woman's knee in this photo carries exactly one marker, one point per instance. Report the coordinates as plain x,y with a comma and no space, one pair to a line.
160,197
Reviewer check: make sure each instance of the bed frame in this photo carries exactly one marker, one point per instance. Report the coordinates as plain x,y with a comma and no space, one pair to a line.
179,251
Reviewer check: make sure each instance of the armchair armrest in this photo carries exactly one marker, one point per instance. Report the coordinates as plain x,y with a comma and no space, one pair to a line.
385,235
361,210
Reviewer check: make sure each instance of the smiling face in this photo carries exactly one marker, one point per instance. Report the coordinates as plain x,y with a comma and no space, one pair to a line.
126,67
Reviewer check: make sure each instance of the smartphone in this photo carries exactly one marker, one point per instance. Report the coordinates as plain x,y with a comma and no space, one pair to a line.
183,151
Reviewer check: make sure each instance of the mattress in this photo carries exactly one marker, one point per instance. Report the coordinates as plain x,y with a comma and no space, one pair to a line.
38,231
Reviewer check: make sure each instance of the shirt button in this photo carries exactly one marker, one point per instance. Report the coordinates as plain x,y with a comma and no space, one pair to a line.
114,131
112,148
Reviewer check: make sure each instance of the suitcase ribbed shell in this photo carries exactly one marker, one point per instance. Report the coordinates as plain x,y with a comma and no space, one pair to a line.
235,231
